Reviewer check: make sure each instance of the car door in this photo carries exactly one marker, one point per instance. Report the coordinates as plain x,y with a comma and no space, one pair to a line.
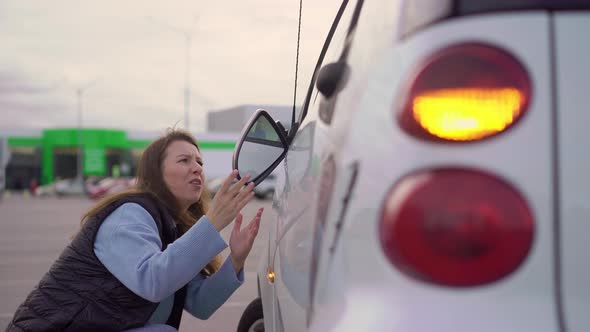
296,230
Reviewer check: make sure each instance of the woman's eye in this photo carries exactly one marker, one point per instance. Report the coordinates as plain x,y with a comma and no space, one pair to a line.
183,160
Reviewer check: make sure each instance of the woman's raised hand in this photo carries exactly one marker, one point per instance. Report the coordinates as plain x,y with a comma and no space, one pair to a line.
229,201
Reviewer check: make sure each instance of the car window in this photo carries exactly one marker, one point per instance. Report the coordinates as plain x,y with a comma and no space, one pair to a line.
339,39
263,131
338,52
315,25
300,154
333,45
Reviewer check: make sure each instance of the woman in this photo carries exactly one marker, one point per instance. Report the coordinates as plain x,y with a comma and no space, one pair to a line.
144,255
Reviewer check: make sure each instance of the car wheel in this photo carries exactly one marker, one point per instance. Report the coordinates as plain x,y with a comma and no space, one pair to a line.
252,319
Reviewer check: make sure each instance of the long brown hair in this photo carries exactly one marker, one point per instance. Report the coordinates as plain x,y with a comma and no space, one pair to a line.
150,181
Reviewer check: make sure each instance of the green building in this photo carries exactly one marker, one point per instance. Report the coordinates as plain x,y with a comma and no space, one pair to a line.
53,154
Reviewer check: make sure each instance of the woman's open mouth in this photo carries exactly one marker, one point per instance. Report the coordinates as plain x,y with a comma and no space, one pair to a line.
196,182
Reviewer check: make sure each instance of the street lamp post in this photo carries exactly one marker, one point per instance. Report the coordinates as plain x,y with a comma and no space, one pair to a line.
187,80
188,35
79,96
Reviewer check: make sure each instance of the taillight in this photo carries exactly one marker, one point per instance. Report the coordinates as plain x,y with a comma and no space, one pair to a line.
455,227
464,93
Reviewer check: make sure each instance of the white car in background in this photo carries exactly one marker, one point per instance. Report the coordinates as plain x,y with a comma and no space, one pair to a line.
263,190
435,179
266,188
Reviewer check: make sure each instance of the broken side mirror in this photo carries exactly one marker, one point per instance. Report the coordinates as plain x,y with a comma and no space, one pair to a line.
262,146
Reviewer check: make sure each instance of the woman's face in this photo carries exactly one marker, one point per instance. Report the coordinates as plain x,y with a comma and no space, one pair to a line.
182,170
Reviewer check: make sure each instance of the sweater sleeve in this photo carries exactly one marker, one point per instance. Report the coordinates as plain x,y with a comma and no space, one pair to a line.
206,295
129,246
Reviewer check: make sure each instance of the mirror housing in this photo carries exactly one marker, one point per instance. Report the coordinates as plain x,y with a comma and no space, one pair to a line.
261,148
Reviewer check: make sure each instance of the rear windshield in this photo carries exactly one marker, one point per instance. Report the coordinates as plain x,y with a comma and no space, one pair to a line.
418,14
466,7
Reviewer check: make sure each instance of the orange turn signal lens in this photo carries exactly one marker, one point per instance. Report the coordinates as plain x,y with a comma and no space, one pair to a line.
467,114
465,93
270,275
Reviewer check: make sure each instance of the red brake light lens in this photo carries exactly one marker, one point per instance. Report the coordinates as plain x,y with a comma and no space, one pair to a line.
456,227
465,93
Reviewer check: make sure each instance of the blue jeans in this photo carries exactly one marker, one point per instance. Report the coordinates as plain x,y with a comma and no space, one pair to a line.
154,328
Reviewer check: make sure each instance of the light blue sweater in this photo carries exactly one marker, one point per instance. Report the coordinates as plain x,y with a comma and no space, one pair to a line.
129,246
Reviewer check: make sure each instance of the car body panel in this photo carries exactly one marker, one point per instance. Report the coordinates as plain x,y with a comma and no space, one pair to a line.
331,272
520,156
297,203
296,224
573,117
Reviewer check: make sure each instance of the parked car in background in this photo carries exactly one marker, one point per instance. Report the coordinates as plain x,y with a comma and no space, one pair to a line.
69,187
266,188
215,184
99,188
263,190
435,179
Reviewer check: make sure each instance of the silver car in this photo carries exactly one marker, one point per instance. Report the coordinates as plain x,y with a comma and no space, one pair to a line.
436,177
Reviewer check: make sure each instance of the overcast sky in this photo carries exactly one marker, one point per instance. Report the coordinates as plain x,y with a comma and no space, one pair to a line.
243,52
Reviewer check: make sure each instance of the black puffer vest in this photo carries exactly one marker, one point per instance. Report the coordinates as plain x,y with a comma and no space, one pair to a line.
80,294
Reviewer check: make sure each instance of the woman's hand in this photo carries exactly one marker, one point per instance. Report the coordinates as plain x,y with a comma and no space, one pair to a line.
240,241
229,201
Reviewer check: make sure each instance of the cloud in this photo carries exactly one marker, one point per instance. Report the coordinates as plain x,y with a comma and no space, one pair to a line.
243,52
33,113
18,82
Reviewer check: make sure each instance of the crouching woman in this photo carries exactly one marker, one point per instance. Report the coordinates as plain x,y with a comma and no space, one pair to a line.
144,255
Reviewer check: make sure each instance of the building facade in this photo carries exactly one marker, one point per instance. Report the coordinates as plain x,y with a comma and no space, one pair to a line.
47,155
233,119
53,153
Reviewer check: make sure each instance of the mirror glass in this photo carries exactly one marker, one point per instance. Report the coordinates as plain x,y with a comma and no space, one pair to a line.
260,149
262,129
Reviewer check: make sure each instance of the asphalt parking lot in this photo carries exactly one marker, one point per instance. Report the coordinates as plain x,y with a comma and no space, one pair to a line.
33,231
